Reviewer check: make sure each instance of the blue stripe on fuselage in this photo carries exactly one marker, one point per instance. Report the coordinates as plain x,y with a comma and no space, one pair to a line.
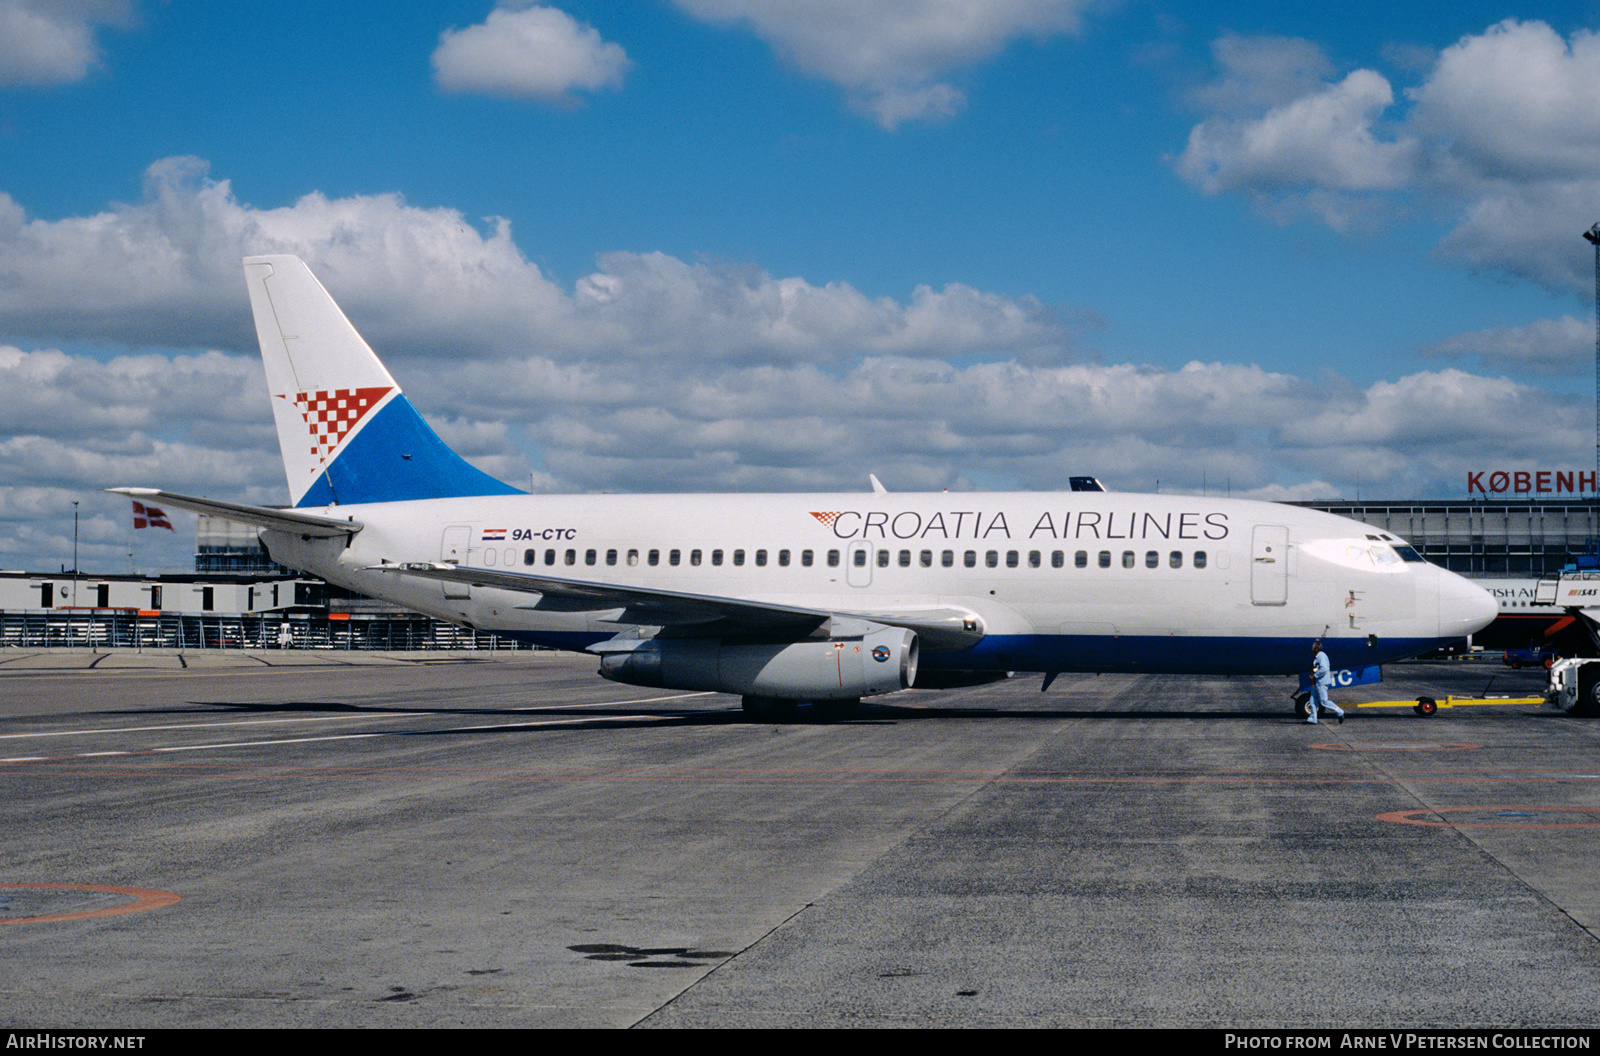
394,457
1132,654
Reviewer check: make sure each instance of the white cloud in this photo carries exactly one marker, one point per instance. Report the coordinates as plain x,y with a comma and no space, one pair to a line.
1546,347
45,42
1259,73
1323,139
1502,135
528,52
165,273
1516,102
890,55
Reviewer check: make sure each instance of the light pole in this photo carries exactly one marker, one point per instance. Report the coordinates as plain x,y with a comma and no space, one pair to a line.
73,615
1593,237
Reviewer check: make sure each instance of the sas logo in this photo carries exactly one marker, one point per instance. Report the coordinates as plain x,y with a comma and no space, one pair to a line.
880,653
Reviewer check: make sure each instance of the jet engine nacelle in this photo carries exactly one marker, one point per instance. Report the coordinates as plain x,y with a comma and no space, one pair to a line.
826,669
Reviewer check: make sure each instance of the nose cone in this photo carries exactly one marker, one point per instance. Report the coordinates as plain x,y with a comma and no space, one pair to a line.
1464,607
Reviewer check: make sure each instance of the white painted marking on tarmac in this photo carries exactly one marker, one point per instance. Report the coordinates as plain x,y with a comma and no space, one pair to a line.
363,736
343,717
183,726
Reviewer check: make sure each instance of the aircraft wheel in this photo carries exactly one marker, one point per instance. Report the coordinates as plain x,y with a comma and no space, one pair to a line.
834,710
1302,705
768,709
1426,706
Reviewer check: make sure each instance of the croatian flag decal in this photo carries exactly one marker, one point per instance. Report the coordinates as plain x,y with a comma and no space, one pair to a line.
331,414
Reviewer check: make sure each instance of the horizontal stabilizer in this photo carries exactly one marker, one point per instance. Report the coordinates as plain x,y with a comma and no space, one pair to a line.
263,516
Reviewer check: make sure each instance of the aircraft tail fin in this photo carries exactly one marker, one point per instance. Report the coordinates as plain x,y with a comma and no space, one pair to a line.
346,431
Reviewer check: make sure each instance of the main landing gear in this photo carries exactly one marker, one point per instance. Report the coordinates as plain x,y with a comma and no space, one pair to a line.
779,709
1302,705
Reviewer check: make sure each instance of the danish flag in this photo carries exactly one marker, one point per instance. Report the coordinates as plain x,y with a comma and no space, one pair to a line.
331,414
150,517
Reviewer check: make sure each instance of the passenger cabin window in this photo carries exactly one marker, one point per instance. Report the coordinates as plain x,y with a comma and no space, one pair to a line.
738,557
589,557
948,558
1127,559
1152,559
761,559
783,559
633,557
1033,559
970,559
860,558
1011,559
926,558
674,557
549,557
1199,559
1057,559
654,557
1105,559
992,559
905,559
883,559
530,556
805,559
611,557
1081,559
716,557
572,557
694,558
1175,559
833,559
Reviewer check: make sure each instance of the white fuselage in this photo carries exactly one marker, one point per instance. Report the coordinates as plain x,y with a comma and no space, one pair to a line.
1077,581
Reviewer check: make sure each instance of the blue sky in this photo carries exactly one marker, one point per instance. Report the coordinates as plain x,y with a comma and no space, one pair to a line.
763,244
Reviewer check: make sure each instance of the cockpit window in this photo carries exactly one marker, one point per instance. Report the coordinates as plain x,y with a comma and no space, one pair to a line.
1408,554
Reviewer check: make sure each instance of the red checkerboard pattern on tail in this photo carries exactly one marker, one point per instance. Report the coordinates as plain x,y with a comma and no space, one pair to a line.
330,415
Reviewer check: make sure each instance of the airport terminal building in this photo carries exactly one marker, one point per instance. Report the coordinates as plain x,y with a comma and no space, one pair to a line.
1491,539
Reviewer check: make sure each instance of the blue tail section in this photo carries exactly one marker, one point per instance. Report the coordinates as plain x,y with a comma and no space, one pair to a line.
346,432
396,456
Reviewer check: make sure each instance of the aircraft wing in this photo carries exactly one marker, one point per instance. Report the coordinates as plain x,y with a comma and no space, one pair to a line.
941,628
265,516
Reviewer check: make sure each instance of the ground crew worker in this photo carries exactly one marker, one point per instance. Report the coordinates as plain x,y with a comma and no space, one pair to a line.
1321,679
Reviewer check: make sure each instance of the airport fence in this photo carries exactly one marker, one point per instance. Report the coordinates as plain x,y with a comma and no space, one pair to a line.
125,629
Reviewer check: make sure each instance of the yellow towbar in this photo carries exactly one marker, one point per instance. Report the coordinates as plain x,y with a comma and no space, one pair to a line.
1429,705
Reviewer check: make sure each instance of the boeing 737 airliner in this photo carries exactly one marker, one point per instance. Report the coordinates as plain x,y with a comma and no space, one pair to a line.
825,598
